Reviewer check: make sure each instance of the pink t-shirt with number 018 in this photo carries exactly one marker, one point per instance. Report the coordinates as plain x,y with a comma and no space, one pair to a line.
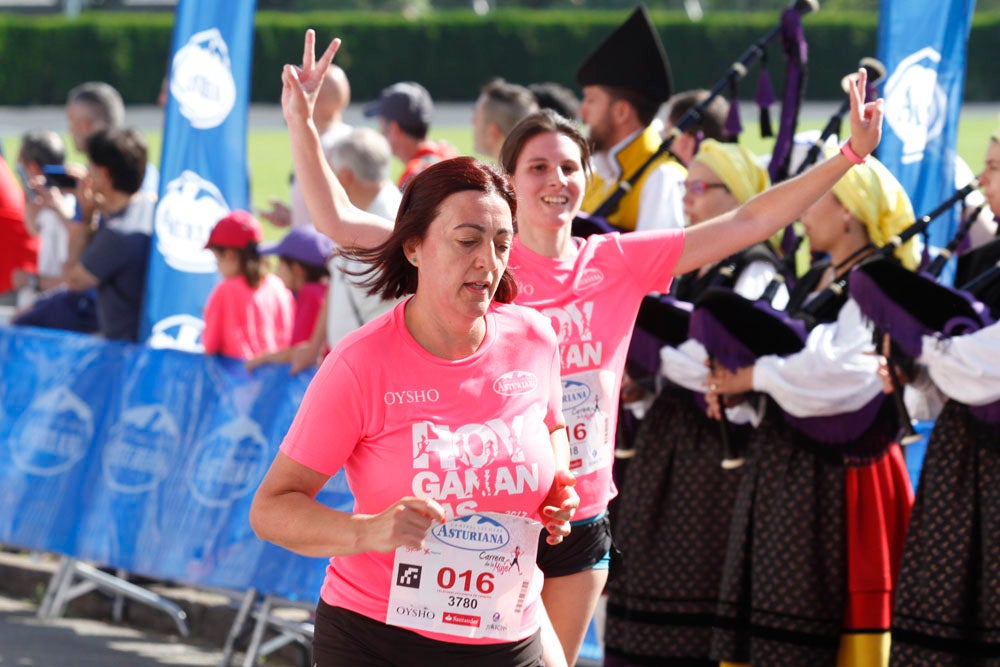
592,302
473,434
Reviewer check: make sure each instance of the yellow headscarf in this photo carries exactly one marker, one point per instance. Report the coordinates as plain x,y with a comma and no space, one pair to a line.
872,194
735,166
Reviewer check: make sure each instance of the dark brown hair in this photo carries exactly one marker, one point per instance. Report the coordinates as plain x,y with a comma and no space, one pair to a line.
251,267
532,125
390,275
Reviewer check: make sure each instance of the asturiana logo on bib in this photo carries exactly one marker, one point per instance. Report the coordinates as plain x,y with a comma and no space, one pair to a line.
575,393
590,278
201,80
474,532
185,216
515,382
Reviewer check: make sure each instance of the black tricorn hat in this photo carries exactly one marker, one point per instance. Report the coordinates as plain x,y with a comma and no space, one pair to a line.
630,57
662,320
737,331
910,305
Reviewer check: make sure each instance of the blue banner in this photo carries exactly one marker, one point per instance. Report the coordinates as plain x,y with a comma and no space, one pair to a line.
923,45
146,460
203,173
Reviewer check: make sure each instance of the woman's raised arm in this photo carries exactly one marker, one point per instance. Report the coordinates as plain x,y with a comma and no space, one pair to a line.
329,207
760,217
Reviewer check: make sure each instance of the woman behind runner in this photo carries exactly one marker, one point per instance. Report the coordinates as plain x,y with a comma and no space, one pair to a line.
825,496
591,290
662,601
447,406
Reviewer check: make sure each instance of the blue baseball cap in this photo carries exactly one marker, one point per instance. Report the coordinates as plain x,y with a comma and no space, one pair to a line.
303,244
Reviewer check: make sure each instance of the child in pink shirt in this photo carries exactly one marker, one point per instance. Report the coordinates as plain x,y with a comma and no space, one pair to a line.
250,312
302,256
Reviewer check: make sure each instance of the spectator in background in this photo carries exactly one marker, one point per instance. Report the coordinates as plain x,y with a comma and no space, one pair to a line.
328,115
47,209
302,256
711,123
404,117
48,216
96,105
559,98
361,163
250,312
18,249
90,107
625,80
117,222
501,105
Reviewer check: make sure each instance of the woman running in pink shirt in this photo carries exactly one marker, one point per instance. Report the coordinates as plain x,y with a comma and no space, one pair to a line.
590,289
445,409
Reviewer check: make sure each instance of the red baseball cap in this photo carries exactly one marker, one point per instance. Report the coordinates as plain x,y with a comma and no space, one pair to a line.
237,230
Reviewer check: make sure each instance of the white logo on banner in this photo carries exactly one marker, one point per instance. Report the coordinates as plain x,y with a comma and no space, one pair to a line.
52,434
177,332
229,463
916,105
140,449
201,80
185,216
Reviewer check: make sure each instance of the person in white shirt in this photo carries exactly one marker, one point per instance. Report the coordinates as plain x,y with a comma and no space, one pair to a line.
360,161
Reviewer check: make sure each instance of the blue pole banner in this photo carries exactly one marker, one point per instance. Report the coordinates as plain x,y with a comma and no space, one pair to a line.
923,45
203,173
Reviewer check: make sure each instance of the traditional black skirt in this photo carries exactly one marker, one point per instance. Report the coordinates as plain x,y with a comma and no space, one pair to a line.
948,603
784,582
672,527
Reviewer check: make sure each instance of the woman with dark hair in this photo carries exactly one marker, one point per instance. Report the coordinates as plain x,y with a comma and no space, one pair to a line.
445,409
589,289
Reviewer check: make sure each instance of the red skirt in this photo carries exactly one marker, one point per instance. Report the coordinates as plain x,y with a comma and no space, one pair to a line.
878,501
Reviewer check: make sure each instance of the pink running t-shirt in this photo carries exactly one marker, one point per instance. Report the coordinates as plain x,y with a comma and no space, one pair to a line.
592,302
243,322
308,304
473,434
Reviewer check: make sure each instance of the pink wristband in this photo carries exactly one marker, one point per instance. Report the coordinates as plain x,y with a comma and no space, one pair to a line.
849,153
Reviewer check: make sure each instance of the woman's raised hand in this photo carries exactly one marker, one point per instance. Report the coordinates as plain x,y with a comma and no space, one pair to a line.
866,117
300,84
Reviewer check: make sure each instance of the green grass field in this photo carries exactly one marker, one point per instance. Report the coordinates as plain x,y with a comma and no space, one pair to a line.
271,163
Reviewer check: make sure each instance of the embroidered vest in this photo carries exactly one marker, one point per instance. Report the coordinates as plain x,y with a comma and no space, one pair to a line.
629,159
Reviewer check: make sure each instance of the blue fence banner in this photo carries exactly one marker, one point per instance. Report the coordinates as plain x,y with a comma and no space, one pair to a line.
923,45
146,459
203,172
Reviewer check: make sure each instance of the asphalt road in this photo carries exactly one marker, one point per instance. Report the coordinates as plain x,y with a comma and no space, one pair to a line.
24,640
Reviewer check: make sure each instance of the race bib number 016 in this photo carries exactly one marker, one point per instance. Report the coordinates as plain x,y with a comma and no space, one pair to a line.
470,580
587,409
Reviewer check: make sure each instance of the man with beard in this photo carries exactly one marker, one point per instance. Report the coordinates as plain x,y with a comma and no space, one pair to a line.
625,81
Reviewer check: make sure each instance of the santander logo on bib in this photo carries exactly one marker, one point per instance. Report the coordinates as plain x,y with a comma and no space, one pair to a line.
515,382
